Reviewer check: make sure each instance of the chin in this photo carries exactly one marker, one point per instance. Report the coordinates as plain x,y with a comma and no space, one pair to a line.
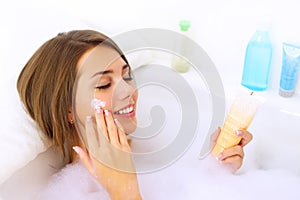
130,129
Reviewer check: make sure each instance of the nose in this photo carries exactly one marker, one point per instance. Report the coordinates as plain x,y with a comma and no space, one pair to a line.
124,90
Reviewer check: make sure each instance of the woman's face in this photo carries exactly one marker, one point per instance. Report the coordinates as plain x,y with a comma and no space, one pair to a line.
104,75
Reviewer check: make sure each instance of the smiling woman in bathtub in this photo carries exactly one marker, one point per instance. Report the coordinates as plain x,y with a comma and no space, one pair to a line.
94,64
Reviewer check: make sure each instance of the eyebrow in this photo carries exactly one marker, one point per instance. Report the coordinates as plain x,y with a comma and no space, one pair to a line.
108,71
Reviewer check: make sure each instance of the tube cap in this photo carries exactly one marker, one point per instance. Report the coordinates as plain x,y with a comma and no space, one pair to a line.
285,93
184,25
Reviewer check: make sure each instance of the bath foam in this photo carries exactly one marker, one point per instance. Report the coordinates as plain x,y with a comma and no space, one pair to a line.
73,182
188,178
208,179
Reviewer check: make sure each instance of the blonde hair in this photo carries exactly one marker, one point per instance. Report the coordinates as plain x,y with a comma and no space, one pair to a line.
46,83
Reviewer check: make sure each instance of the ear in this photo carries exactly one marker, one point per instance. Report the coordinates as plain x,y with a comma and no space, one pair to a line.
70,116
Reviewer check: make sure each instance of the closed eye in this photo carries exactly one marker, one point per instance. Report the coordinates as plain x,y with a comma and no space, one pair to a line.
128,76
103,87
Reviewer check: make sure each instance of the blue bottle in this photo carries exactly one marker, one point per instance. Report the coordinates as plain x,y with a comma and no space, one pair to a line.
257,61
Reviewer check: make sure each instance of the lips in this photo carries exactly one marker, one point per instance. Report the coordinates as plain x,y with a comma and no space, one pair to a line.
127,111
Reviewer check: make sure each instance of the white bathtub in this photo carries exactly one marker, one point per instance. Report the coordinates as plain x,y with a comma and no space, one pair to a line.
276,133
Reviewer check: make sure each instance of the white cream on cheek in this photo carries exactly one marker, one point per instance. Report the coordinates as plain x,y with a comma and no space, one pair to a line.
97,103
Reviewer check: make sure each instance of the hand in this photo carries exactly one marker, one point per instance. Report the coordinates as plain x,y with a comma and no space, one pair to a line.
109,158
233,156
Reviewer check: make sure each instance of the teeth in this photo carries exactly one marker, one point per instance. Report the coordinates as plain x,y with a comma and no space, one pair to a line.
125,111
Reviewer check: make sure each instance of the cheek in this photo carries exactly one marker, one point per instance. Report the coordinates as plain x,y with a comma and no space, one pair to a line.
83,103
106,97
135,95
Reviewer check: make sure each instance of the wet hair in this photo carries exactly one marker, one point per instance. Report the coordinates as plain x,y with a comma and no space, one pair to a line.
46,82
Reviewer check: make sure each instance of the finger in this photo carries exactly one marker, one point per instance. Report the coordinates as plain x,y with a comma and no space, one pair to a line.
111,128
101,125
230,152
92,141
120,132
122,137
85,159
235,162
215,135
245,135
119,125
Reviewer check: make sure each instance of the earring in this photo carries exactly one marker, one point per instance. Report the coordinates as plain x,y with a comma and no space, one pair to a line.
71,121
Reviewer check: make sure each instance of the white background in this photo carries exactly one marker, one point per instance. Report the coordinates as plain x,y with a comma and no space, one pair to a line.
222,28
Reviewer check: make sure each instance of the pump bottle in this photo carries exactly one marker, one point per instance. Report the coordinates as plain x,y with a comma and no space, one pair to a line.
179,63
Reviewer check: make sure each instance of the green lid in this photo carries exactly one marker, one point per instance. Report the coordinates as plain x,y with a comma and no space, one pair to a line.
184,25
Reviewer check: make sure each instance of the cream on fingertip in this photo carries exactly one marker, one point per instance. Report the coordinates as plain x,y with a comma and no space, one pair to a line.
88,118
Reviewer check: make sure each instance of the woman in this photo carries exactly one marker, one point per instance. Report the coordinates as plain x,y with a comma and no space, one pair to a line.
90,64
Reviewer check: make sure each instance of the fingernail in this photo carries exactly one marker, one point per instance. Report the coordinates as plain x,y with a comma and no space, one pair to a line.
76,149
98,110
106,112
220,157
239,132
97,104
